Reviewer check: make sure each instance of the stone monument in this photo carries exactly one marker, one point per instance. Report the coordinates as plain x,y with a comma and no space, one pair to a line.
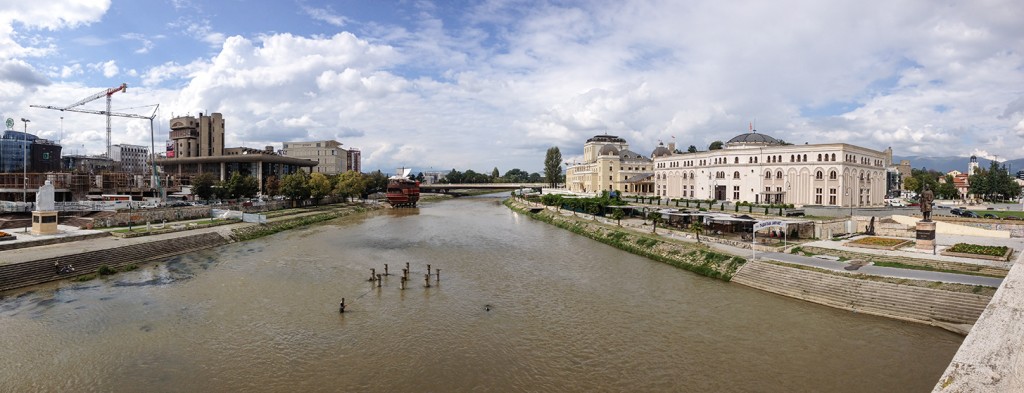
926,227
44,217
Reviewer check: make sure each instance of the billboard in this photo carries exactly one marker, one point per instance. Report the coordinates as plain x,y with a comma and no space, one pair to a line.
170,149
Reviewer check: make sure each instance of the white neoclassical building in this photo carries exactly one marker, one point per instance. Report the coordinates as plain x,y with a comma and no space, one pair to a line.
757,168
609,165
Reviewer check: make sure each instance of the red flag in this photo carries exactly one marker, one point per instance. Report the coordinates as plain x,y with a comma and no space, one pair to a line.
751,126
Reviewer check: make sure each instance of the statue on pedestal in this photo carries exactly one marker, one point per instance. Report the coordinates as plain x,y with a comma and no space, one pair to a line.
927,197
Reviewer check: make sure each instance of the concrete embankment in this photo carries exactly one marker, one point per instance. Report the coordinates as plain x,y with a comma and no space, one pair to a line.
17,275
35,265
993,271
954,311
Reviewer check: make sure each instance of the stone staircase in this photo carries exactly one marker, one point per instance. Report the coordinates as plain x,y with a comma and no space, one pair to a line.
23,274
930,306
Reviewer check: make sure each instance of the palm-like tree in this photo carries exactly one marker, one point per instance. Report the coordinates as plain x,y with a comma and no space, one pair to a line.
697,227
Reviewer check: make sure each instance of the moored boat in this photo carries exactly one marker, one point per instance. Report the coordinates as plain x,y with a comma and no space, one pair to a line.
402,191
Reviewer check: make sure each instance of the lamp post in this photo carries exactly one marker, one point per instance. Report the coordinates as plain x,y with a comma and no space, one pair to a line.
24,161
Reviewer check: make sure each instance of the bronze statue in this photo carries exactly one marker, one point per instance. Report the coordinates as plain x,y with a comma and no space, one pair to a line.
926,203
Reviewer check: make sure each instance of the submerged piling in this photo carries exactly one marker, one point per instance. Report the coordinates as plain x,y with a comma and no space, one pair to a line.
378,281
386,270
341,307
426,279
373,274
402,287
438,270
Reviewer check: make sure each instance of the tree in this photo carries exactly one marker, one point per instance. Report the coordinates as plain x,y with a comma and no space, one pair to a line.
202,186
553,166
453,177
495,175
319,186
420,178
912,184
697,227
535,178
691,149
617,215
516,175
350,184
272,186
375,182
239,186
296,186
655,219
716,145
593,209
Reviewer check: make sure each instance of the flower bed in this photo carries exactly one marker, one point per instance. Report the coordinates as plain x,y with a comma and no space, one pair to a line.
6,236
995,253
878,243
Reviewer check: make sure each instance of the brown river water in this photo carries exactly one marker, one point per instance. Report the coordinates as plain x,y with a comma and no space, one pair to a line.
567,315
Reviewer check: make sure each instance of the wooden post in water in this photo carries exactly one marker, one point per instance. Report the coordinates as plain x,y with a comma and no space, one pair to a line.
341,308
378,281
438,275
426,279
403,284
373,274
386,270
428,269
407,266
405,274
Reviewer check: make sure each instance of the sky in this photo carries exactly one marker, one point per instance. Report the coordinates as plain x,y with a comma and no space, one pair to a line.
482,84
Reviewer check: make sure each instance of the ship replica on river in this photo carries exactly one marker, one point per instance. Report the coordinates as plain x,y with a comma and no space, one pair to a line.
402,191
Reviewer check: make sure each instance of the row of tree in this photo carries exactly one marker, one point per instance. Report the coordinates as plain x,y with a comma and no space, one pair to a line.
296,186
514,175
992,184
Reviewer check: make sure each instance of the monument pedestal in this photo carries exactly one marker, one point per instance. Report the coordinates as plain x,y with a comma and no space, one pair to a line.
44,223
926,235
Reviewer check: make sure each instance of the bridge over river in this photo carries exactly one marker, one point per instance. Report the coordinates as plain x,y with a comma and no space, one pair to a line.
444,188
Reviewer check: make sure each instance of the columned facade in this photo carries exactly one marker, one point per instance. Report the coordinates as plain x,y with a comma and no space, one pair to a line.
609,165
757,168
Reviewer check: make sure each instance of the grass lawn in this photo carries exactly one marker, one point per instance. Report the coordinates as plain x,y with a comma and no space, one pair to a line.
1000,213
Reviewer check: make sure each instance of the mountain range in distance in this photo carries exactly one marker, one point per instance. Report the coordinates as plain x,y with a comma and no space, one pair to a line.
946,164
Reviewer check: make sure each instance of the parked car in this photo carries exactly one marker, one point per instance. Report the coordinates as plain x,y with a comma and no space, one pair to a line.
956,211
989,215
969,214
1012,218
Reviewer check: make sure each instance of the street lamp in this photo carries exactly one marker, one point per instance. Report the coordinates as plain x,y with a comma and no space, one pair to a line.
24,161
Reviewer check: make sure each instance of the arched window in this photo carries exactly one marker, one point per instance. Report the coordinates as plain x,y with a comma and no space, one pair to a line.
805,158
832,175
791,159
833,156
819,156
736,175
736,160
778,175
684,175
767,174
819,175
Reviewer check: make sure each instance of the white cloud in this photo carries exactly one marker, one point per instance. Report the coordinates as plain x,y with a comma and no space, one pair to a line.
69,71
48,15
201,30
109,68
326,15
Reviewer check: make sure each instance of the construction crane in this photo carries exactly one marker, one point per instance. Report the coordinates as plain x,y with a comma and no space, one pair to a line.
106,93
108,113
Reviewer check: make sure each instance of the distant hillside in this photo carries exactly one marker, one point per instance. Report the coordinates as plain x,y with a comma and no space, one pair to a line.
946,164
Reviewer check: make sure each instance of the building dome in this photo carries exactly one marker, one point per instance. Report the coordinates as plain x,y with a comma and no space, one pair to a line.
753,138
660,151
608,150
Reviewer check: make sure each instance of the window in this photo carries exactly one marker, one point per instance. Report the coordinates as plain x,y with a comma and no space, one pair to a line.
778,175
791,159
736,175
736,160
805,158
832,175
767,174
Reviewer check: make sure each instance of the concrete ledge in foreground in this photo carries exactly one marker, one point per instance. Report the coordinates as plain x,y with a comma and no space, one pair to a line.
991,359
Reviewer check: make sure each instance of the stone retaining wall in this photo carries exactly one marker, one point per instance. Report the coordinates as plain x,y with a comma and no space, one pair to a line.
950,310
154,215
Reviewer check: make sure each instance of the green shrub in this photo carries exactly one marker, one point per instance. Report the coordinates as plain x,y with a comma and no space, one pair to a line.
105,270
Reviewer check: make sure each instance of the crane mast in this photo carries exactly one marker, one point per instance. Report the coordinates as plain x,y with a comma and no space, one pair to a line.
105,93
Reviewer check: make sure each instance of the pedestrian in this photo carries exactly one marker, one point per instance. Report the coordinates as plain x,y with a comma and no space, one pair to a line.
56,267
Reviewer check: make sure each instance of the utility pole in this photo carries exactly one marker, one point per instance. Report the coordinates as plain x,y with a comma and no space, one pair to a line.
24,161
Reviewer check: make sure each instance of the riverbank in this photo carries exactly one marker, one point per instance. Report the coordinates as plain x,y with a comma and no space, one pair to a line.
695,258
954,307
40,264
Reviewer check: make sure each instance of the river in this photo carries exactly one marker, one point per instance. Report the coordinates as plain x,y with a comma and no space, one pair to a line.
566,314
